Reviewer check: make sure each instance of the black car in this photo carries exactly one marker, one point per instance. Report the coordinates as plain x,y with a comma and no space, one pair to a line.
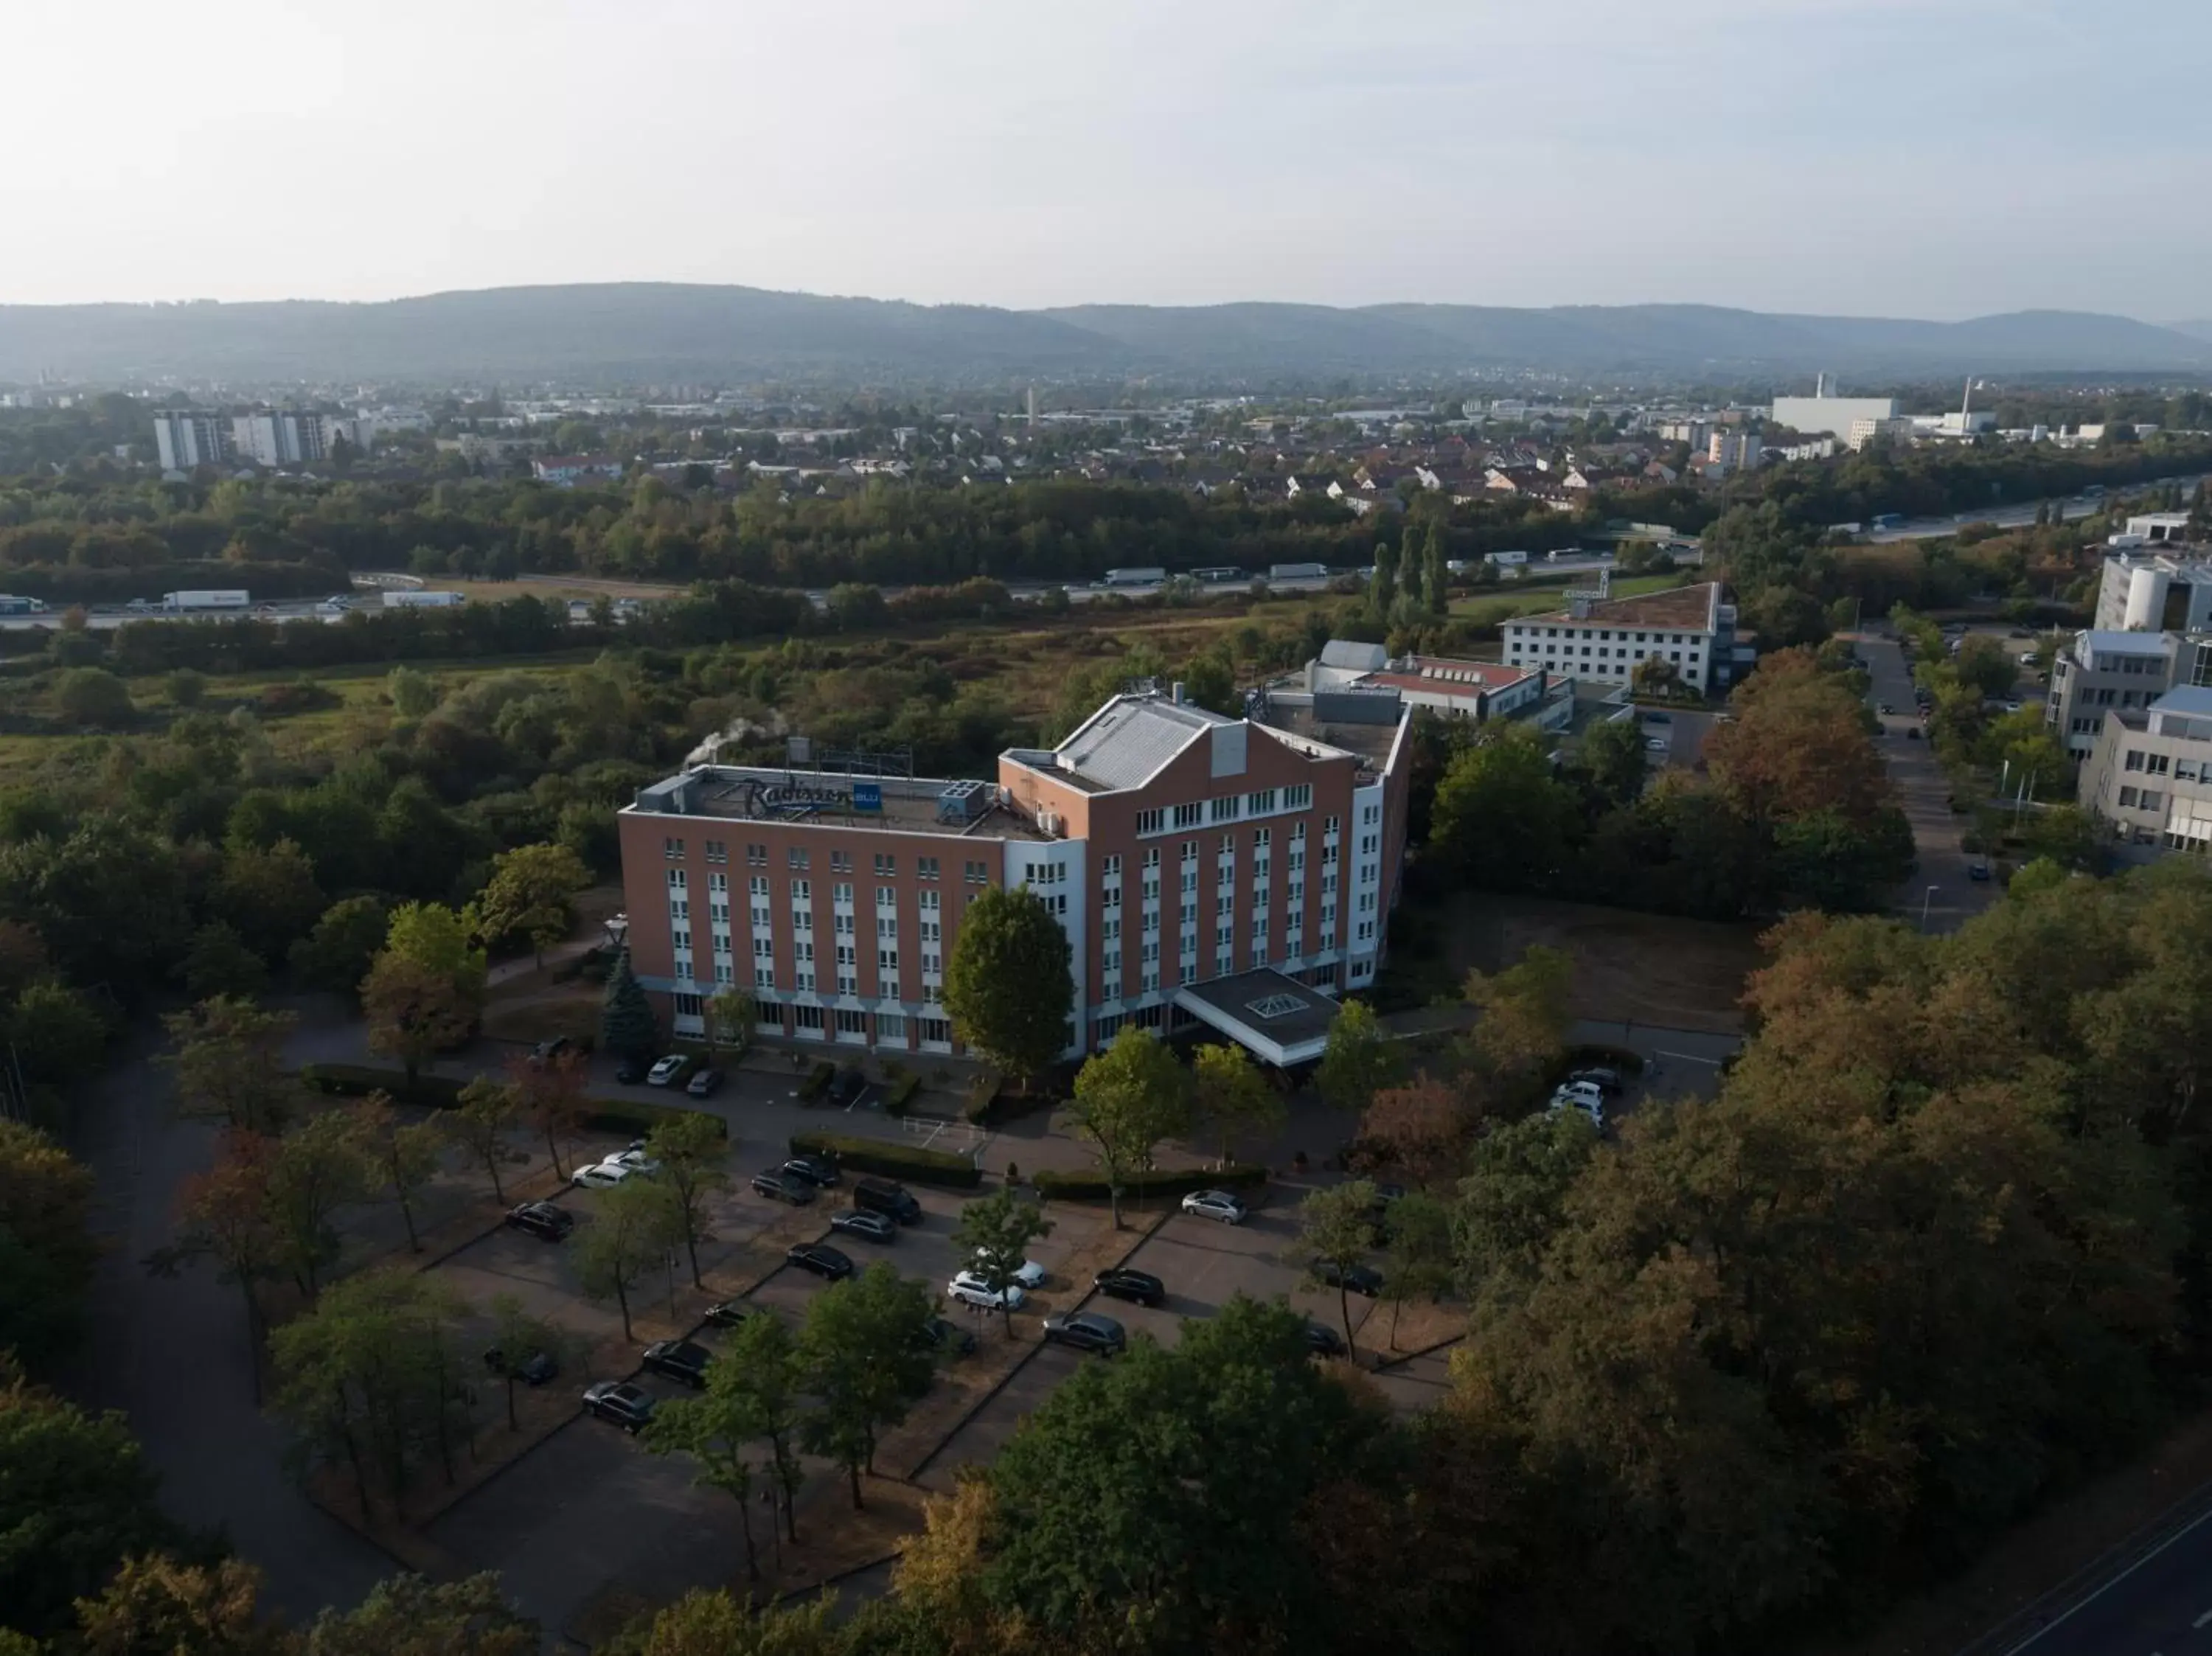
629,1406
546,1050
533,1370
1087,1331
1324,1341
784,1187
870,1227
947,1335
1360,1279
814,1169
630,1071
729,1313
705,1084
846,1090
820,1259
542,1219
892,1200
1605,1079
679,1360
1141,1286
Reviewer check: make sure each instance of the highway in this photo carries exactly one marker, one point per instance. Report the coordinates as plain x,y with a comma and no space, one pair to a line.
2150,1597
2012,516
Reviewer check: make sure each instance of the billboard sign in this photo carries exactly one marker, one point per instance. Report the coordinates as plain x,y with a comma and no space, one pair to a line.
867,796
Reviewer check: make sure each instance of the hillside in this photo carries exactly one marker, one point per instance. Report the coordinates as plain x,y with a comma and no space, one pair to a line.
650,330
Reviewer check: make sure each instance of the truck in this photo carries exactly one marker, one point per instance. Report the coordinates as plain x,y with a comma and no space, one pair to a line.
1297,571
219,597
12,605
1214,574
1888,520
1505,560
1141,577
404,598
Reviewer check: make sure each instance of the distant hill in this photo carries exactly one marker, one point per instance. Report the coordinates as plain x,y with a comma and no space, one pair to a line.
655,330
2202,329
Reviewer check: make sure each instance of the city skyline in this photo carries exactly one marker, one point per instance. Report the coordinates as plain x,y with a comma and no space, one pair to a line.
1864,160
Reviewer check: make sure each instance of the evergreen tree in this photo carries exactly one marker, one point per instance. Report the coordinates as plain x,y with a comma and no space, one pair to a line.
628,1028
1383,591
1435,579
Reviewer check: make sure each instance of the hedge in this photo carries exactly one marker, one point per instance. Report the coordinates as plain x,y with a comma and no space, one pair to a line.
817,1081
443,1093
1180,1181
893,1160
900,1098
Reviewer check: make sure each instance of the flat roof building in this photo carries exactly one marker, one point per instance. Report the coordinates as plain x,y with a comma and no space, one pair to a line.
1175,846
1605,640
2143,591
2148,779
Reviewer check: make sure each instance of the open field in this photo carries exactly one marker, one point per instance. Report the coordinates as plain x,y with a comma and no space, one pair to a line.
1503,603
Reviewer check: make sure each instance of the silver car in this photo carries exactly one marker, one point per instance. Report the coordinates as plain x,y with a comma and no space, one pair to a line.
1215,1205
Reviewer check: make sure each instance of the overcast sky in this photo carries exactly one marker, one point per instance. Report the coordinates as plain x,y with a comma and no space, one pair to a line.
1941,158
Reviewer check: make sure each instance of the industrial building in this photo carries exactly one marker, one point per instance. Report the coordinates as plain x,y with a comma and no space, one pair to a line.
1821,415
1177,848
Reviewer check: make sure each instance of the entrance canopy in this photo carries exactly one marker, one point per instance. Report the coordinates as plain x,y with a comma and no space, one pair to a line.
1273,1016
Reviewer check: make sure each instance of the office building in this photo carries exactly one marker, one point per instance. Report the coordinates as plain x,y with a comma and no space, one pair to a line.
279,439
1178,848
1605,639
2143,591
2101,672
2148,781
183,441
1831,416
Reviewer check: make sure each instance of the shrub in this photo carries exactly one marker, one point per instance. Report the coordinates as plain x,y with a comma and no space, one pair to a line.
893,1160
1176,1182
622,1115
817,1081
900,1098
357,1080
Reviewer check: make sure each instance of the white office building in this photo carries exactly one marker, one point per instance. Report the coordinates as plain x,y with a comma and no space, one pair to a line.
1831,416
280,439
183,441
1605,640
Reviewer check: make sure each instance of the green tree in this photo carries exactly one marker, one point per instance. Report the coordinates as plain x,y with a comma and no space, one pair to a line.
1128,1099
753,1394
406,1156
1417,1255
93,696
1007,985
634,1229
480,1121
1336,1232
1509,1205
529,895
1229,1095
1435,577
693,1150
76,1498
218,962
550,1099
1358,1059
319,1168
1382,590
519,1335
1501,819
269,896
439,939
187,688
866,1357
414,693
627,1027
407,1616
732,1018
336,955
227,1060
710,1622
46,1250
1521,1034
159,1606
57,1034
1612,758
414,1010
994,1233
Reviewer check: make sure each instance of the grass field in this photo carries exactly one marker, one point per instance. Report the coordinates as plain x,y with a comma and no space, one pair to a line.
1504,604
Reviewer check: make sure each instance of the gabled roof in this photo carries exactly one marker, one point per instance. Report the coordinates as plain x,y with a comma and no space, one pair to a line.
1355,657
1127,741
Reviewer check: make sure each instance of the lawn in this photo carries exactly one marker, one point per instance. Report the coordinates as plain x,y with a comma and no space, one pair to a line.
1499,604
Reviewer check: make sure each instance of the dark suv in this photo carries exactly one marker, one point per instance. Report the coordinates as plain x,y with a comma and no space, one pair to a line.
1087,1331
1141,1286
814,1169
784,1187
542,1219
679,1360
893,1201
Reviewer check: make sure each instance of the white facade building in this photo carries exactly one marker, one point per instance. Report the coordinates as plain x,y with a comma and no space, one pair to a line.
1831,416
183,441
1604,640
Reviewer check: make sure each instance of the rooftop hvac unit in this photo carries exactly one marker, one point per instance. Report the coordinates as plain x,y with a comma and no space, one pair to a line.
1047,821
963,801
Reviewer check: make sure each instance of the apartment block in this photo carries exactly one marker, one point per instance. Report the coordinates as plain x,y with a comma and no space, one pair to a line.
183,441
280,439
1178,848
1603,639
2148,779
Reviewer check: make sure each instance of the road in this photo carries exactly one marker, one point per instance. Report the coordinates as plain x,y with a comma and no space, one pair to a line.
1942,894
2011,516
2154,1598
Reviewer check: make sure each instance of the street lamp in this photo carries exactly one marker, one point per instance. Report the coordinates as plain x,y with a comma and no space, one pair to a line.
1924,899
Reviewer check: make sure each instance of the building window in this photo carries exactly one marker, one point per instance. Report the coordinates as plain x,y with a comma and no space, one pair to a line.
796,856
886,864
672,848
2153,799
718,850
1185,815
688,1006
805,1018
936,1031
1227,809
842,895
890,1026
1299,797
802,891
841,862
2155,764
852,1023
1261,803
887,961
2128,796
886,897
976,874
756,856
926,869
1149,822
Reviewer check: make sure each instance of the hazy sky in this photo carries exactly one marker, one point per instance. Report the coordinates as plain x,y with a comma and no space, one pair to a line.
1941,158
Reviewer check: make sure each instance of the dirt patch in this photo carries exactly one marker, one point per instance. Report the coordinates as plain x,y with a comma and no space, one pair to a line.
1654,969
2032,1557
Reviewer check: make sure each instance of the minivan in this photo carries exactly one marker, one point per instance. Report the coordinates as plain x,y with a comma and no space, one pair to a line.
893,1201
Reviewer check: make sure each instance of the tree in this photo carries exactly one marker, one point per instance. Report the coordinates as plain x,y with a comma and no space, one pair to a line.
995,1231
1502,821
1521,1033
414,693
627,1027
1336,1232
218,962
1006,986
633,1230
158,1606
269,896
528,896
228,1063
692,1148
93,696
479,1122
226,1214
1357,1059
407,1616
1382,590
414,1010
752,1395
866,1358
46,1249
1612,758
320,1166
1417,1257
549,1098
518,1336
1509,1205
440,939
1128,1099
1436,577
1229,1094
732,1018
336,953
1418,1128
57,1034
76,1498
709,1623
406,1155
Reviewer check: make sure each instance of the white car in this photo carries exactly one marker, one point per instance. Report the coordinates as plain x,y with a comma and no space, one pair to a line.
1587,1093
971,1289
1215,1205
635,1160
1589,1102
600,1175
1030,1274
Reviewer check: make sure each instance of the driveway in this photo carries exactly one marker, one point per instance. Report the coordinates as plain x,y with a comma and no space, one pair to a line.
1941,888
